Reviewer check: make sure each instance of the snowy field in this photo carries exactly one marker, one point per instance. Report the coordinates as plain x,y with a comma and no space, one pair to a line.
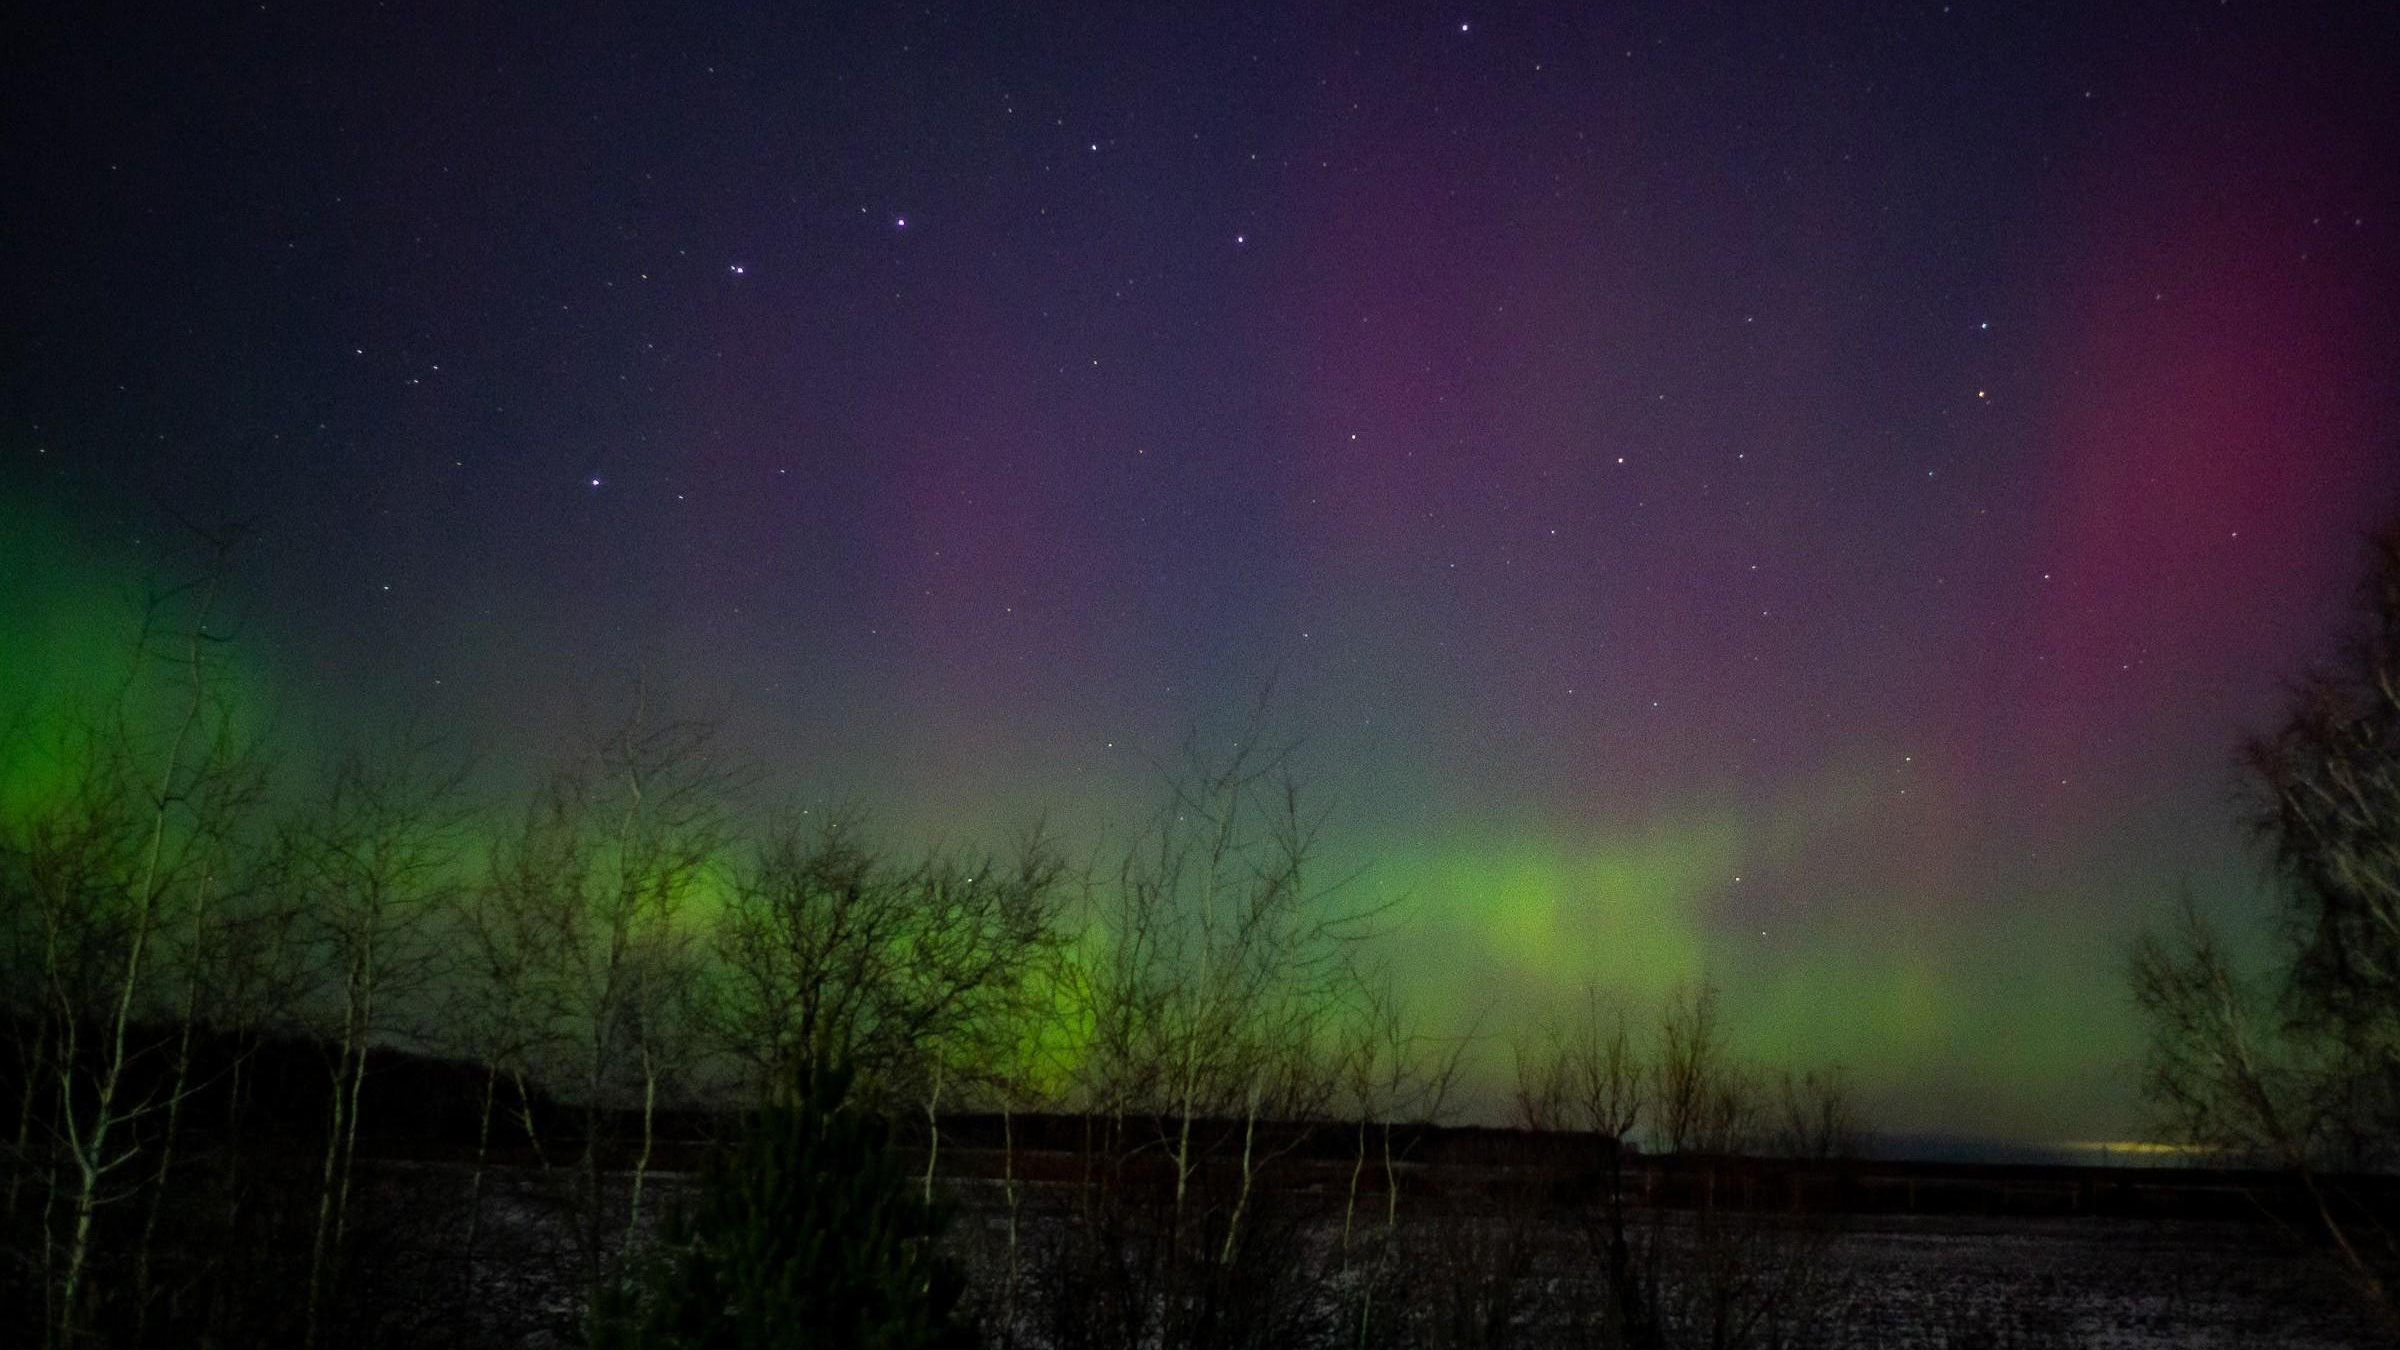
2109,1284
1894,1282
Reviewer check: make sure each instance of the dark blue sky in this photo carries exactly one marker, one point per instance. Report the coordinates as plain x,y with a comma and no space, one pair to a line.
1810,498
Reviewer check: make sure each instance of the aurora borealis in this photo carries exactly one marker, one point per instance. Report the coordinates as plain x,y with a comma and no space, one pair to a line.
1807,500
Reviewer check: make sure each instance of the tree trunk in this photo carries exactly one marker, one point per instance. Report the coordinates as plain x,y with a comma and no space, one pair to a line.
483,1143
533,1134
1241,1199
641,1164
1358,1167
933,1132
166,1150
326,1185
1008,1189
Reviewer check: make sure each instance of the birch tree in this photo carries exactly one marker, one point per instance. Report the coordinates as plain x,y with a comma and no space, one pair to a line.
372,863
107,870
628,835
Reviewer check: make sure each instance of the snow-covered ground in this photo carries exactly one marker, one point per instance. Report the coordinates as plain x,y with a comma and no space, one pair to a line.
1895,1282
2105,1283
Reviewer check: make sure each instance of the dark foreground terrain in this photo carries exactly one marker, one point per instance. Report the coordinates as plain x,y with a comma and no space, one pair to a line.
1473,1260
1465,1239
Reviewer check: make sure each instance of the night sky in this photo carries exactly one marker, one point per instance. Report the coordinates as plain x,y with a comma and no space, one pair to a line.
1808,500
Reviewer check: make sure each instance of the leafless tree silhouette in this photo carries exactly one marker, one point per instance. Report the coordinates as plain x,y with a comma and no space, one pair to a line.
1723,1268
2297,1066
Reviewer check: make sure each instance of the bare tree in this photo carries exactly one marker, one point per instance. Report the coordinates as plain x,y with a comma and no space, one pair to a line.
1592,1077
207,955
1225,954
1705,1103
253,978
373,863
501,1013
627,836
2297,1065
1393,1074
1589,1076
1205,999
509,1012
1710,1265
108,872
1815,1116
829,950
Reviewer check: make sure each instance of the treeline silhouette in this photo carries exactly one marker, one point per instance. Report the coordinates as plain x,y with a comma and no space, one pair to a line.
303,1057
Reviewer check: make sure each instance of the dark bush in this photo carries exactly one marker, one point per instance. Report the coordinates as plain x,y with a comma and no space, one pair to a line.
807,1234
